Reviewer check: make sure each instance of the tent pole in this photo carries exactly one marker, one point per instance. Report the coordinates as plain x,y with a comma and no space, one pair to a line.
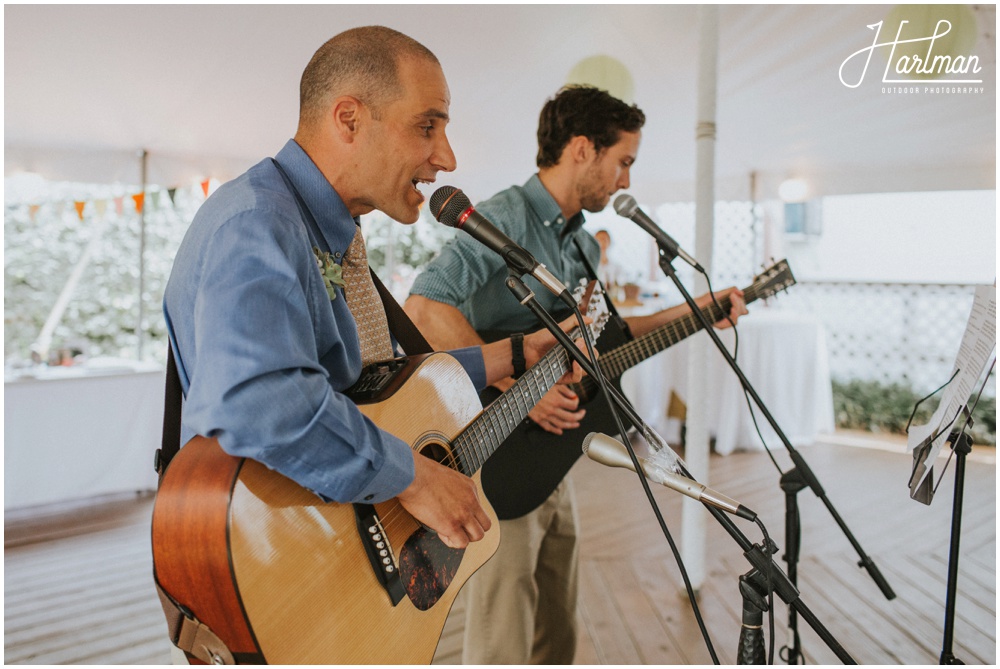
140,332
696,448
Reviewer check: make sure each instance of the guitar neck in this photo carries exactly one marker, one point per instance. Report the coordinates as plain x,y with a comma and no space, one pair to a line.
478,441
616,362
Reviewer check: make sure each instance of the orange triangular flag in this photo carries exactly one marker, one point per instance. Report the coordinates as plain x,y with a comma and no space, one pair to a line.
139,198
33,210
204,187
79,208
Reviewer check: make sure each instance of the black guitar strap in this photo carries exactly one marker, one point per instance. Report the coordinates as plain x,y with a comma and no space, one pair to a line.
173,399
400,325
619,321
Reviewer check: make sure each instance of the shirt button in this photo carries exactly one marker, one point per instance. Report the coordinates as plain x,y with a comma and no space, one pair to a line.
337,254
548,223
369,498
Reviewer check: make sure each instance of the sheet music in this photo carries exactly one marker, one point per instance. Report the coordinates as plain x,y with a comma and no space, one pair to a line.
974,356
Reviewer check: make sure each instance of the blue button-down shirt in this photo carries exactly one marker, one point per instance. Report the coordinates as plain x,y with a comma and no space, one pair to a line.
263,354
469,276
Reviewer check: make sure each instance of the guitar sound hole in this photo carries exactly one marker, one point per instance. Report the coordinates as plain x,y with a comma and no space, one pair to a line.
438,453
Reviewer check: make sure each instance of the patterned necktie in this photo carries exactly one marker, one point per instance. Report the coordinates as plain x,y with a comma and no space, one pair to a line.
365,304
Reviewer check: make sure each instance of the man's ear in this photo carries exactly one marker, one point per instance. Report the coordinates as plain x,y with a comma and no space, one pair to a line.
346,113
580,149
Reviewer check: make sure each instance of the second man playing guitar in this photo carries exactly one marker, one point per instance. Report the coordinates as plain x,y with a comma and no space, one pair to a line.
522,604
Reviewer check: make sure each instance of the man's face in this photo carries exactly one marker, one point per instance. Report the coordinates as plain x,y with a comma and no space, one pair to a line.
608,172
407,143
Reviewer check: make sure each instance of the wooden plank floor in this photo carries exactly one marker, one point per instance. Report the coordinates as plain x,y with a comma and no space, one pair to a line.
78,590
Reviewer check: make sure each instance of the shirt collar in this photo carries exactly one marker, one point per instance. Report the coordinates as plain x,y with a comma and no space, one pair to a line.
334,220
547,209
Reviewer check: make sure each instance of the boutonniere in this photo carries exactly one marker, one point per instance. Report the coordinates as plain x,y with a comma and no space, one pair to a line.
331,272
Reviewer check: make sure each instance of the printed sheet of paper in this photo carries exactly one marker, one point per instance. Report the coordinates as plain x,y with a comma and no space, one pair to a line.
977,351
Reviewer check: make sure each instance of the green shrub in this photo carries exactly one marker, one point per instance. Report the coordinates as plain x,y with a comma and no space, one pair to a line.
878,407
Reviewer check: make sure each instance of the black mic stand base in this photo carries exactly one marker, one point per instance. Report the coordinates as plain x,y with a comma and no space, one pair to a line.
751,648
792,482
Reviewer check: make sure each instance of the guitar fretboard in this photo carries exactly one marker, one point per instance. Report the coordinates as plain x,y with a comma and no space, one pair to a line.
492,427
615,363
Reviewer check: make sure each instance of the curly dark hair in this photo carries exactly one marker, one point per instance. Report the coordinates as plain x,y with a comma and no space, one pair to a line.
587,111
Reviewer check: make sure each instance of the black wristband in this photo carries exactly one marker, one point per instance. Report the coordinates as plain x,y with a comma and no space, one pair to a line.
517,354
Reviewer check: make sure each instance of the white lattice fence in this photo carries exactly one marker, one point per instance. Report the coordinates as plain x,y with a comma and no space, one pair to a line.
889,332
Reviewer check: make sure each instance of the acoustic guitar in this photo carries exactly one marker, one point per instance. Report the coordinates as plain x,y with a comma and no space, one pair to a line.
282,577
530,464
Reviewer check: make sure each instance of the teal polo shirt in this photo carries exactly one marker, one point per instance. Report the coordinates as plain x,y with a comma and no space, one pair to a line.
471,277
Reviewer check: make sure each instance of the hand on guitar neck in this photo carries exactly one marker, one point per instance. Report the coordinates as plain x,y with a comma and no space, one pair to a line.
446,502
731,297
559,410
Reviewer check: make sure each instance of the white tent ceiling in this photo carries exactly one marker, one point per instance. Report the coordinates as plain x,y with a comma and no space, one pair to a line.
207,91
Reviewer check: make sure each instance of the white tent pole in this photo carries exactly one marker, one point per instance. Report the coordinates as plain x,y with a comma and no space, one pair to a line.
139,329
43,342
696,448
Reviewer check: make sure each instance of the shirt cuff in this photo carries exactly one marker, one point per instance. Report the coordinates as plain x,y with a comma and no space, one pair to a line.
471,359
393,477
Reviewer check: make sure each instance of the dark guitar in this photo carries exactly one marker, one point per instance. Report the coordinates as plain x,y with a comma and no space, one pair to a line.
531,462
282,577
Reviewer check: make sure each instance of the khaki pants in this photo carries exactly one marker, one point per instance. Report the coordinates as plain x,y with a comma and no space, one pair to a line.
521,605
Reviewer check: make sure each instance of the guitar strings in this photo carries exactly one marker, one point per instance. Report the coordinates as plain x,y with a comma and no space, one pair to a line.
555,361
469,440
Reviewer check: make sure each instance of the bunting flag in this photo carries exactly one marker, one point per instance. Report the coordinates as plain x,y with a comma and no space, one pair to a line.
100,206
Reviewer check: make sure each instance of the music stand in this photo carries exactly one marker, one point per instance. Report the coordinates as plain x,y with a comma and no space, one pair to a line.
951,424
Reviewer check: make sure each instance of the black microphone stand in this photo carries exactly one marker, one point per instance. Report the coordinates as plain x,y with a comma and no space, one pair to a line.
765,574
797,478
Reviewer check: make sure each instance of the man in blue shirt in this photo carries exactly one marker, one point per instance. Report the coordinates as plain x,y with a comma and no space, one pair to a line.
265,347
521,606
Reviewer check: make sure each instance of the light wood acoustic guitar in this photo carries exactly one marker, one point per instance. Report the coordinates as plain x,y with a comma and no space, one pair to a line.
281,577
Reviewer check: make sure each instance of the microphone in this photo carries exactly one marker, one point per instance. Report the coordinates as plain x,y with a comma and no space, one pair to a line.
626,206
451,206
611,452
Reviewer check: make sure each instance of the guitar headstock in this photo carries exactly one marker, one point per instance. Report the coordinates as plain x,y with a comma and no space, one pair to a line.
589,295
776,278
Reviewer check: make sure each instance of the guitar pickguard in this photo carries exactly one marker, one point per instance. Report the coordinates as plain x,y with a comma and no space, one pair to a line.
427,567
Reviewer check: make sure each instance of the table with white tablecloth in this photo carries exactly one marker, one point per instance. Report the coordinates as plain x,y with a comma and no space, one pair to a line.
72,433
782,354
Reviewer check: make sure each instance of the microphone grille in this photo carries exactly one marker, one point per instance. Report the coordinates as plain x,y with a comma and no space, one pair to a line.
448,203
586,442
625,205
